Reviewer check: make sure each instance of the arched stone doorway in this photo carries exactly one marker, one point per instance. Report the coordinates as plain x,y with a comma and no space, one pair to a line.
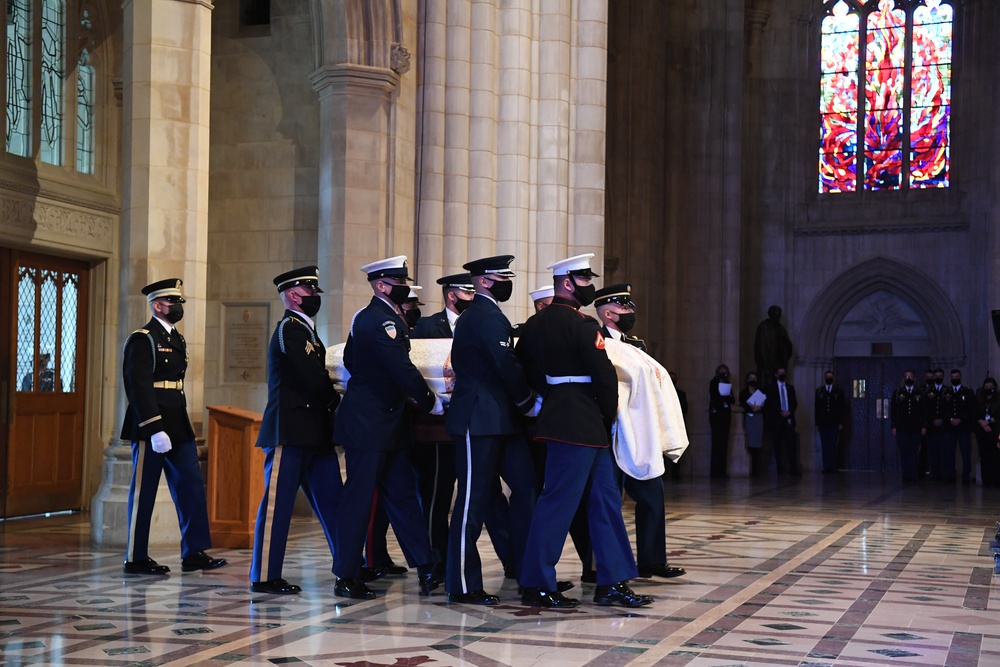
869,324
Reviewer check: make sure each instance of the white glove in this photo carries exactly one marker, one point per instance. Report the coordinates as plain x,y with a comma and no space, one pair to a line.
438,408
161,442
536,408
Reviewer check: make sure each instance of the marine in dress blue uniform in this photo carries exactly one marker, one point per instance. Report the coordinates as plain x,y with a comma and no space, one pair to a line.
490,395
563,354
616,310
154,362
295,432
374,433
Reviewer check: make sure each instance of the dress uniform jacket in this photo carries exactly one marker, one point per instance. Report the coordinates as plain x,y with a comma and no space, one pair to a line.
908,414
960,404
377,355
433,326
490,387
561,341
301,397
153,356
830,407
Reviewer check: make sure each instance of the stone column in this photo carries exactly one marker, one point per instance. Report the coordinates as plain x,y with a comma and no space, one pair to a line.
356,169
166,62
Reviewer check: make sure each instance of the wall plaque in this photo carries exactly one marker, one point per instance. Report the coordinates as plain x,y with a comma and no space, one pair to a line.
244,342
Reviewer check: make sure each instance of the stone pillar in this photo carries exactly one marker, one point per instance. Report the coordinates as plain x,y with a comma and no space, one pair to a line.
356,173
166,62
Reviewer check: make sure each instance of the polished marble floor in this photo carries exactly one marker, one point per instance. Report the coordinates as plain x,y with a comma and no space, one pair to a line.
821,570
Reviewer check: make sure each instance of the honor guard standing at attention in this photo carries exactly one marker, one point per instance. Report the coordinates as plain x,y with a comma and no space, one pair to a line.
296,432
373,431
157,425
908,422
563,354
616,310
484,418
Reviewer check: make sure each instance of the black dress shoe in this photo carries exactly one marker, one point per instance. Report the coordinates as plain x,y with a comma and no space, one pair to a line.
393,569
353,587
275,586
372,573
620,594
145,566
550,599
589,577
429,581
201,561
474,597
665,571
561,586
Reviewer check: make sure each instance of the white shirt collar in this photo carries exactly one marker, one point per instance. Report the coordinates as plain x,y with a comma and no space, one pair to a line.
167,326
306,318
615,333
391,305
452,318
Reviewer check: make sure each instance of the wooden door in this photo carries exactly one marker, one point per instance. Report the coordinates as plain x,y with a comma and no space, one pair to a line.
869,382
45,303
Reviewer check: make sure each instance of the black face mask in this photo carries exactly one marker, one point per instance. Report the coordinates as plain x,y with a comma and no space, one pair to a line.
828,380
908,382
939,382
626,321
399,294
411,317
462,304
584,294
502,289
175,313
723,377
752,384
990,392
781,377
956,383
310,305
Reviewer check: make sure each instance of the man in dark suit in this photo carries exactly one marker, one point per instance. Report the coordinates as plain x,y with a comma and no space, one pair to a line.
374,433
490,395
616,310
720,420
907,419
295,432
779,413
563,354
960,417
157,424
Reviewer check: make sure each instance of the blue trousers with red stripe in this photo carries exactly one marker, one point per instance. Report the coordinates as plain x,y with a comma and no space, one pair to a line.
286,468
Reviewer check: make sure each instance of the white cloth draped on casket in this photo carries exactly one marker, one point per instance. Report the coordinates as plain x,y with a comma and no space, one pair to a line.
650,422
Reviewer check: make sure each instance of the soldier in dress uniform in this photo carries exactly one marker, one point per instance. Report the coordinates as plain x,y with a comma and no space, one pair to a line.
830,410
296,432
937,427
616,310
908,420
563,354
378,563
374,433
542,296
490,395
157,424
960,416
457,292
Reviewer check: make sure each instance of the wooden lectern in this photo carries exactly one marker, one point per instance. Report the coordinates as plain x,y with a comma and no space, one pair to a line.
235,475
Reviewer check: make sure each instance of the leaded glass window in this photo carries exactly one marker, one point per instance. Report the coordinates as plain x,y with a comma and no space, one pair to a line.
895,134
53,38
19,31
85,115
47,313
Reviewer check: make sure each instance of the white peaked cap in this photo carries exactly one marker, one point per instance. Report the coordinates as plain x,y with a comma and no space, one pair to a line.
542,293
576,263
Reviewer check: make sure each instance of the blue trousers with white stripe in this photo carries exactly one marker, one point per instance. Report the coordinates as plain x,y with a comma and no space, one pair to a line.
572,473
286,469
186,487
478,461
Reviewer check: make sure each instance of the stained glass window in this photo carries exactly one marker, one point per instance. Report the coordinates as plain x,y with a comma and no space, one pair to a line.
897,53
85,115
53,29
19,77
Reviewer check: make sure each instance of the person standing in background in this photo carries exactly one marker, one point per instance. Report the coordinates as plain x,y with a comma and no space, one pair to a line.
720,419
830,411
752,399
779,412
908,420
987,412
